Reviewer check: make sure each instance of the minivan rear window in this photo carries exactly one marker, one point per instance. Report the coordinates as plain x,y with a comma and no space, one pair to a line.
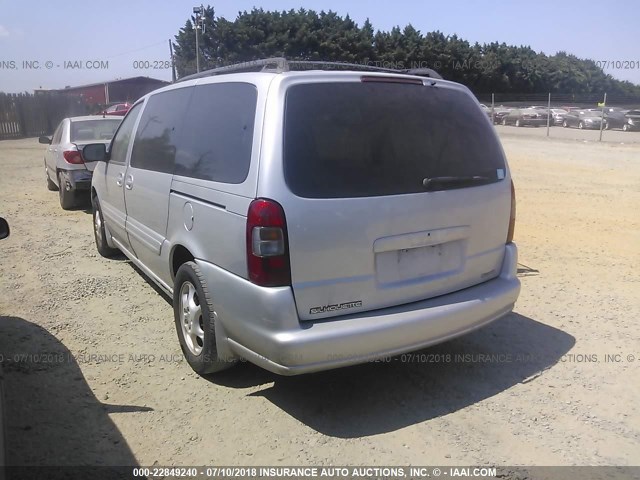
371,139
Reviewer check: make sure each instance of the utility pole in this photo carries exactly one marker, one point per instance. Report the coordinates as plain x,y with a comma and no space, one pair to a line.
604,104
199,23
173,63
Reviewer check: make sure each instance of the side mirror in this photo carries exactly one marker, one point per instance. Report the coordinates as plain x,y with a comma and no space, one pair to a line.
45,140
95,152
4,228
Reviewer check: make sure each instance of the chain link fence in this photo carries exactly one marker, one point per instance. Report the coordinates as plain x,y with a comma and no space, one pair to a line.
587,117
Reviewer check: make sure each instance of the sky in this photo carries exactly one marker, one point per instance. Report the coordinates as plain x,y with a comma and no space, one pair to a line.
43,44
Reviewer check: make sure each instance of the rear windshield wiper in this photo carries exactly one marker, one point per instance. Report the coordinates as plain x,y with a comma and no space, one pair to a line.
435,183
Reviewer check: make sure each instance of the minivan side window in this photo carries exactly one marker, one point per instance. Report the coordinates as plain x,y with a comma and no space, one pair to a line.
122,138
218,133
154,147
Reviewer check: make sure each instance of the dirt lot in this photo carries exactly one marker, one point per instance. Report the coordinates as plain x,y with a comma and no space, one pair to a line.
93,372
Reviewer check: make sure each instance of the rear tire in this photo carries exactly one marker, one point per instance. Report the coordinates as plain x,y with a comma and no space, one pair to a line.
581,125
195,319
67,197
518,123
504,122
99,232
625,128
565,124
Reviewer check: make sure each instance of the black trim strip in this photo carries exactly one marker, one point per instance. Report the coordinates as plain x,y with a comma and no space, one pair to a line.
200,199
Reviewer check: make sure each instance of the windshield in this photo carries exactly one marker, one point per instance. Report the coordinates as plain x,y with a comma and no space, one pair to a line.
372,139
87,130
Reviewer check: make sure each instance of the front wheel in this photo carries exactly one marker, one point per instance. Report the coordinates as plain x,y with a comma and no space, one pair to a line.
195,318
580,125
100,233
504,122
625,128
565,124
518,123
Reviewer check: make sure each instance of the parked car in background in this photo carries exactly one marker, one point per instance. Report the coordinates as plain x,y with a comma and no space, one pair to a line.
558,115
303,242
614,117
523,117
486,110
632,120
583,119
499,113
64,166
117,109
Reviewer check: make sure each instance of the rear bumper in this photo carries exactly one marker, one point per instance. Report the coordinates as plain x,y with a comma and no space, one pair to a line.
77,179
261,324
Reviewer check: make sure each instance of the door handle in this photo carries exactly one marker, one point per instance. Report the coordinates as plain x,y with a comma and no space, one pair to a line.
119,179
128,184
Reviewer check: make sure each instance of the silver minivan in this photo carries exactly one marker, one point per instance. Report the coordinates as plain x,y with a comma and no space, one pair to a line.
307,220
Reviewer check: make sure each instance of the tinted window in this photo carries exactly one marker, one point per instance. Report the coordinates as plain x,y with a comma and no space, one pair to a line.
160,125
218,133
371,139
120,143
86,130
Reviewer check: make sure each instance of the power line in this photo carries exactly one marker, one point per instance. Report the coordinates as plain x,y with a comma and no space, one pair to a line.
136,50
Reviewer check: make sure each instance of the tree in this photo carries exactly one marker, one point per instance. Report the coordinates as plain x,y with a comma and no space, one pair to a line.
308,35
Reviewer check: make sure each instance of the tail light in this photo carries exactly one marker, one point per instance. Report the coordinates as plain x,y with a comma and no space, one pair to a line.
267,244
73,156
512,216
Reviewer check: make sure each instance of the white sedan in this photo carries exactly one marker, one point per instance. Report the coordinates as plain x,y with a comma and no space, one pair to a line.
65,168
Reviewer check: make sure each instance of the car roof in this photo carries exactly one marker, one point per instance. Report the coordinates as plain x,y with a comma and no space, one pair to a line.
264,79
92,117
263,72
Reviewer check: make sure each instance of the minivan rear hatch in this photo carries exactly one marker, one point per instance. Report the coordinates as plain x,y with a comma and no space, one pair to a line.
397,192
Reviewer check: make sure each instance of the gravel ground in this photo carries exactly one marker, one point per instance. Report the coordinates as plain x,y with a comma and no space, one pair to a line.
93,371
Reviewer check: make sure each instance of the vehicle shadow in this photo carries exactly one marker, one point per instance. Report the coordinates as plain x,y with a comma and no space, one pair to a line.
52,416
83,202
386,396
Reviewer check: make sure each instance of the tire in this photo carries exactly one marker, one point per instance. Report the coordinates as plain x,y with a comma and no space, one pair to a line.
52,187
625,128
99,232
581,125
565,124
67,198
518,123
194,316
504,122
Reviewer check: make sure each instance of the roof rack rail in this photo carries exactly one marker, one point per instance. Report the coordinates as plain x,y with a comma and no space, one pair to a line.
423,72
314,64
275,64
281,64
